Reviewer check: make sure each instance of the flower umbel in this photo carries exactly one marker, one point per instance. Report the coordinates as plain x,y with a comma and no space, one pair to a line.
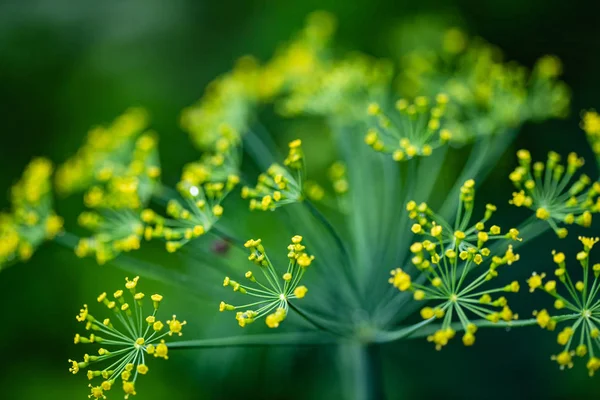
416,129
116,200
488,95
32,218
276,293
279,185
581,336
447,258
106,151
203,187
553,192
127,343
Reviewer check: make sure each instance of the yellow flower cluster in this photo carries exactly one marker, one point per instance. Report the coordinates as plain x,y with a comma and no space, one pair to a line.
203,187
581,302
279,185
125,340
590,123
274,296
105,153
231,100
552,191
416,129
32,218
339,89
117,197
487,95
446,258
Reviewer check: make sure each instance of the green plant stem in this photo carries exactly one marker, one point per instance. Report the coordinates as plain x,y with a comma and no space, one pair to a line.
314,321
360,371
383,337
346,259
415,331
258,340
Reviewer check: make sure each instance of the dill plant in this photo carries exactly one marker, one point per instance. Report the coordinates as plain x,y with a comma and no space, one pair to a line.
401,236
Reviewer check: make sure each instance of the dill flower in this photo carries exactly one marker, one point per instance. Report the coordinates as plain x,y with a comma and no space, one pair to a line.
487,95
280,185
31,219
202,188
231,101
416,129
447,258
116,201
590,123
296,64
462,92
577,305
105,152
552,191
339,88
226,106
124,345
274,296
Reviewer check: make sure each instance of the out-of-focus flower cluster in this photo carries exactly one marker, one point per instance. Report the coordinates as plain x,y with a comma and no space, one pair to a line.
487,94
32,219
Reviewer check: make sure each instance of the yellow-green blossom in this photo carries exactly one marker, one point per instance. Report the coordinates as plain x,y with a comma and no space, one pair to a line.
487,95
105,153
32,219
553,191
274,295
116,201
281,184
126,341
416,129
577,305
448,258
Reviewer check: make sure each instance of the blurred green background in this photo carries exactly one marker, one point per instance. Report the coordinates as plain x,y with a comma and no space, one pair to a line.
66,65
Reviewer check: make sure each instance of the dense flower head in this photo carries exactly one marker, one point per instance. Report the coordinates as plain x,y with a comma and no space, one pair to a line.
227,106
125,340
339,88
416,129
115,201
577,304
487,95
280,184
553,191
296,63
274,295
230,101
447,257
106,152
31,219
203,187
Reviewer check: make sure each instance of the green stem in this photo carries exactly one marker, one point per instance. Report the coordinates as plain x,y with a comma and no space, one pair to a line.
321,325
346,261
360,371
275,339
414,331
